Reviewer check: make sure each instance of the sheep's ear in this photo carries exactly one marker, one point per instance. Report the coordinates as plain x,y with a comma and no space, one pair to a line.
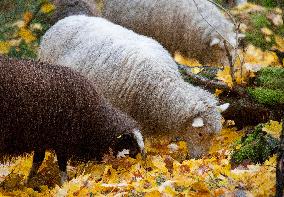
198,122
241,36
215,41
223,107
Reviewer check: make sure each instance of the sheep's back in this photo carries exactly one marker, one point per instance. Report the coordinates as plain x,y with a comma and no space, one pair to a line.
134,72
179,25
41,104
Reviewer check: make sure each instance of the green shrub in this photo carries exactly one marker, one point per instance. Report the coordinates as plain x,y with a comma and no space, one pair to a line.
259,20
272,78
266,96
255,147
266,3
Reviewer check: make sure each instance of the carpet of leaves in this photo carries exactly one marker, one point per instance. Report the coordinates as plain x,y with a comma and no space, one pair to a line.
165,172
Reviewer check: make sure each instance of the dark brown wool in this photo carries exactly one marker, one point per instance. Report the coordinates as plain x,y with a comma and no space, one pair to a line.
53,107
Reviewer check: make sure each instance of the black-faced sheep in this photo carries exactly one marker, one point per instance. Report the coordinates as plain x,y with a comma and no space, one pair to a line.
52,107
137,75
195,28
65,8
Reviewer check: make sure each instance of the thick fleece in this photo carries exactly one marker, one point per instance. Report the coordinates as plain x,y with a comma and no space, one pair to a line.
179,25
136,74
53,107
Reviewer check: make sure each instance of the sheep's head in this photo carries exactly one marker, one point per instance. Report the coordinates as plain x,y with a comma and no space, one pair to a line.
203,129
219,48
65,8
129,144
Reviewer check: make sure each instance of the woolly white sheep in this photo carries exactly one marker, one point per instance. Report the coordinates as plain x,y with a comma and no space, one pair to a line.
191,27
137,75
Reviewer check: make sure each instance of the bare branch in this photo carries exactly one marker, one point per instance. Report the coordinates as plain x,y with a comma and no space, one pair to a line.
232,68
212,84
236,54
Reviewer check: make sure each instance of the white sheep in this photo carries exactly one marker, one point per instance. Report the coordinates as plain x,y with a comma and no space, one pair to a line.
137,75
195,28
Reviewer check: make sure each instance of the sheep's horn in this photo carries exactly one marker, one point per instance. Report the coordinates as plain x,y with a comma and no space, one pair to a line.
223,107
215,41
198,122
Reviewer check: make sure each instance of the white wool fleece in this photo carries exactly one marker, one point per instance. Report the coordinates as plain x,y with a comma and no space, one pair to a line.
135,73
179,25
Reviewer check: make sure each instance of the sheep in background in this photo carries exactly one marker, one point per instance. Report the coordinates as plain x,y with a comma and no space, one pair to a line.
65,8
191,27
52,107
137,75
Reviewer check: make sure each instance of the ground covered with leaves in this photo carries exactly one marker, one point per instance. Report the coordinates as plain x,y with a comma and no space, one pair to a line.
240,163
164,172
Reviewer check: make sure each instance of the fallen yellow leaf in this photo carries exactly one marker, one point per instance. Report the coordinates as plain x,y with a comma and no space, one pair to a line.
266,31
27,35
4,47
186,61
47,8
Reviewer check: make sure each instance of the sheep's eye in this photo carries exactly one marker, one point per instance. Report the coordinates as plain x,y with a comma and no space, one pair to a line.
119,136
200,135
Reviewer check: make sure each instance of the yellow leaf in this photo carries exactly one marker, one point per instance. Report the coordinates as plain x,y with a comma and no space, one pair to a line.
273,128
153,194
4,47
27,17
36,26
19,23
218,92
26,35
159,164
196,70
47,8
254,55
186,61
266,31
271,161
278,10
224,75
267,38
280,42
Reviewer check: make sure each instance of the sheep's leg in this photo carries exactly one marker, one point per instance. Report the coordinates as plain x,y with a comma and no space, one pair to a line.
62,162
37,161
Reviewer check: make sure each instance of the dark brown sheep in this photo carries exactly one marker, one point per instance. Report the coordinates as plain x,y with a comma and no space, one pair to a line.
52,107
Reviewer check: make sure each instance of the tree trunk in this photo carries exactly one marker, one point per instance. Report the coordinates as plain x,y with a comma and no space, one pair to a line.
280,165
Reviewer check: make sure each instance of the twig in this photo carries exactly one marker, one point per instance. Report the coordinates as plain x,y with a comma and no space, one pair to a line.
212,84
232,68
280,165
234,59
